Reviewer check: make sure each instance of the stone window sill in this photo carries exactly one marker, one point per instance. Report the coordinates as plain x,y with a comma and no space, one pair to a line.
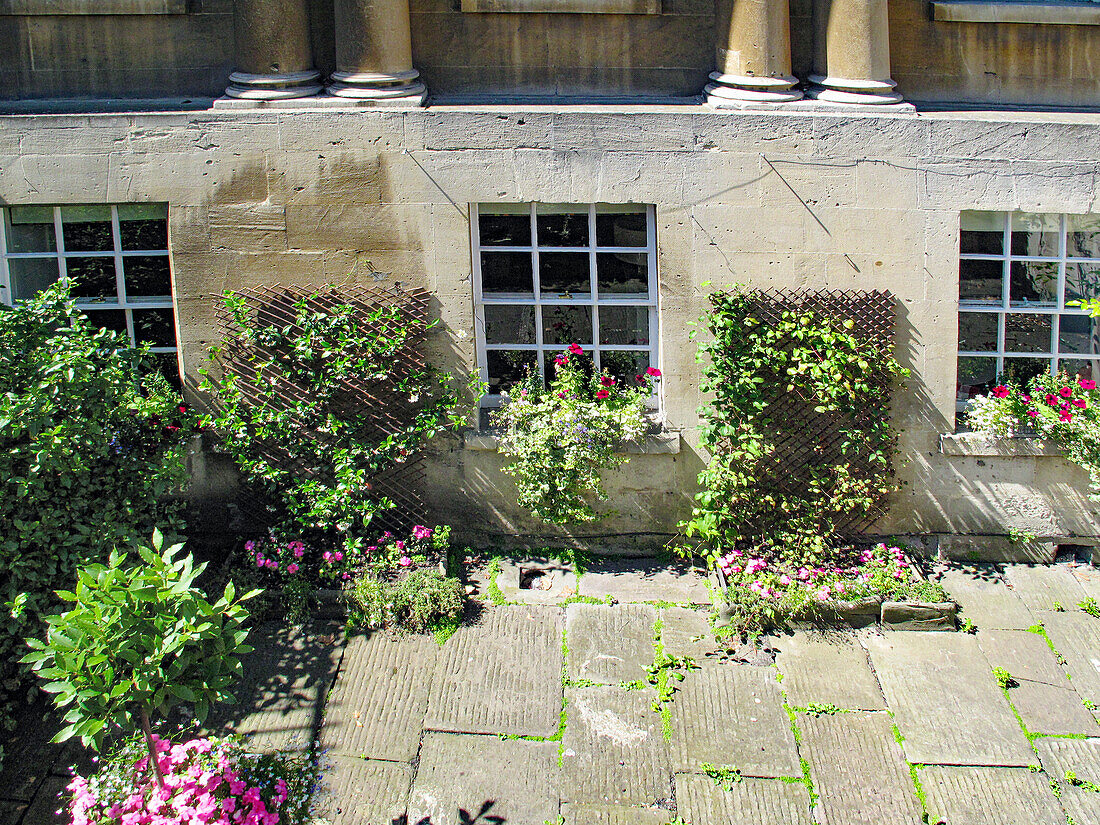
976,11
662,443
87,7
565,6
985,446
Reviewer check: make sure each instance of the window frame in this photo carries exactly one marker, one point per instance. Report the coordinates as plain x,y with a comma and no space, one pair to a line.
123,302
1004,307
594,299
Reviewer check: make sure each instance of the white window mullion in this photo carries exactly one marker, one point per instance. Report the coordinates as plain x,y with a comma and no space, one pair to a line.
536,285
7,296
593,286
59,238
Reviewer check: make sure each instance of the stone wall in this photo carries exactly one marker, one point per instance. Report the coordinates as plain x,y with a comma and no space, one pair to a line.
798,199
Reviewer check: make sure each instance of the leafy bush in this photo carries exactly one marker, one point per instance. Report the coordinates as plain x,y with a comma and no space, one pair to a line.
1066,410
136,641
210,781
295,421
92,445
560,437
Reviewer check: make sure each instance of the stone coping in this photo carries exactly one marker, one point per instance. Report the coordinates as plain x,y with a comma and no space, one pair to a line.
52,7
662,443
986,446
565,6
976,11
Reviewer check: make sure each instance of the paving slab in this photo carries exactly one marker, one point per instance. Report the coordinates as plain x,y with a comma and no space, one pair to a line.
613,815
1052,710
733,716
829,668
463,779
29,754
1082,757
281,696
536,580
1076,636
613,751
49,804
985,598
644,580
501,675
686,631
701,801
609,644
1043,586
858,770
945,700
376,708
1089,579
1023,654
989,796
364,791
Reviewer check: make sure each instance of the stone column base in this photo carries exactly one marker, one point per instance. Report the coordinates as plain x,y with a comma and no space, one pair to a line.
727,89
274,86
396,89
859,92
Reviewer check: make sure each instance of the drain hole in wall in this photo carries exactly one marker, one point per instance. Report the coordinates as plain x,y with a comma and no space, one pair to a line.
1070,553
531,578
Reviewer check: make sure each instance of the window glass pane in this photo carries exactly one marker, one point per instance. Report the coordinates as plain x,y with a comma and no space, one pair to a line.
581,362
112,319
1027,333
146,276
1083,236
982,233
507,272
622,273
1078,334
93,278
977,331
504,225
508,367
31,275
621,226
155,326
87,228
30,229
625,366
1037,235
1033,283
562,225
564,273
509,324
1082,281
1022,370
564,325
980,281
630,325
167,365
1080,368
976,376
143,226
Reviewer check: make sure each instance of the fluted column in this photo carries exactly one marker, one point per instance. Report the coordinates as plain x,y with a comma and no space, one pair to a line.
374,53
753,53
274,58
852,52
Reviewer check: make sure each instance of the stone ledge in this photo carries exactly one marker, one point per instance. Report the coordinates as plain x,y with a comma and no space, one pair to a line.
986,446
564,6
52,7
974,11
662,443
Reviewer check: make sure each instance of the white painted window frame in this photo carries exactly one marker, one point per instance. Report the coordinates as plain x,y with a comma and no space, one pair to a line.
61,256
594,300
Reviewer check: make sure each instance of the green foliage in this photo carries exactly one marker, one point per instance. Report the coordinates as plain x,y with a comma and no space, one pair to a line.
1004,678
1084,784
92,448
421,601
724,777
138,640
822,709
292,428
559,438
1090,606
826,364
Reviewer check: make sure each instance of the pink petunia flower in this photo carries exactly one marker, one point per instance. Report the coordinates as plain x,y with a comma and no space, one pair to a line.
575,349
653,372
1000,391
1086,384
602,394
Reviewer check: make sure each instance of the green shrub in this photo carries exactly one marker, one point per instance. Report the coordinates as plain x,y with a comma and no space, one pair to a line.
91,446
422,600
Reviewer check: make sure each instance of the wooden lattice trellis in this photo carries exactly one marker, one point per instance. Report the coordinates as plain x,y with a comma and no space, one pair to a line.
386,409
805,438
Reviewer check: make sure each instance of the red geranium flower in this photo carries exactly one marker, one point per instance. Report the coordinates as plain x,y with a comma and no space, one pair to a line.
602,394
1000,391
576,349
653,371
639,378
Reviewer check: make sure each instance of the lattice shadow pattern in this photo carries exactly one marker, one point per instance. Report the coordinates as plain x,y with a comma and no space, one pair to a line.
803,438
387,410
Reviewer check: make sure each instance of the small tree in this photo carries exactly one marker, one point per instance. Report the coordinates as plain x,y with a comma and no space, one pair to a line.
137,641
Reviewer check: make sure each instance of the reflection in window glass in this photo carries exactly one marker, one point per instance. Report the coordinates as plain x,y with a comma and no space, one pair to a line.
978,331
561,225
625,273
507,368
29,276
1027,333
143,226
509,324
1033,282
147,275
626,366
507,272
1036,235
566,325
505,226
628,325
93,278
1081,368
1078,334
1083,236
981,233
621,226
30,229
564,273
1082,281
1022,370
977,375
87,228
981,281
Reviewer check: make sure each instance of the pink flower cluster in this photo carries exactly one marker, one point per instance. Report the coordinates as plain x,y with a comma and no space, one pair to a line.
1063,403
203,785
272,555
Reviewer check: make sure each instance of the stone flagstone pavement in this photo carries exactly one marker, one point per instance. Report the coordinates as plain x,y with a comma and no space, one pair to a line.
541,710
